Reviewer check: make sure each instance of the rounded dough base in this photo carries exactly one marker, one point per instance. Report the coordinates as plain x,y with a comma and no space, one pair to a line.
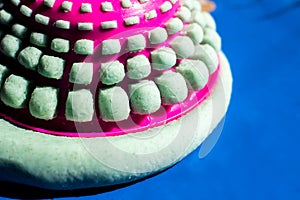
64,163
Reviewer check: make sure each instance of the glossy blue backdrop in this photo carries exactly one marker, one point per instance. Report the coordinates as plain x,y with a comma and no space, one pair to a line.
257,156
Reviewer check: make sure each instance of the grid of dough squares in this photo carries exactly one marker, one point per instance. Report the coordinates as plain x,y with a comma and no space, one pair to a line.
101,61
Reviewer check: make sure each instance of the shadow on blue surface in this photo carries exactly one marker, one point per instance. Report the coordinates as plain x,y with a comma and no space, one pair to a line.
20,191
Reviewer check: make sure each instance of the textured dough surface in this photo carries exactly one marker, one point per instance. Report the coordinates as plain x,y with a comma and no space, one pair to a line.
69,163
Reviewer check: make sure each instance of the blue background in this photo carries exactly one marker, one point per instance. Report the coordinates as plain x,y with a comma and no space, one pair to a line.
257,155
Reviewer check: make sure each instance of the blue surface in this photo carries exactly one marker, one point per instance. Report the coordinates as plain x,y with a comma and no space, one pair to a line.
257,155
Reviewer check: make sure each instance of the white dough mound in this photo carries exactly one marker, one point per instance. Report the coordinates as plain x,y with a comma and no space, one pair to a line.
63,163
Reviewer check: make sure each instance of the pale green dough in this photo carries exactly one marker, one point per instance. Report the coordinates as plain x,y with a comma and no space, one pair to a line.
19,30
60,45
3,74
212,38
81,73
184,14
85,26
41,19
67,6
109,24
112,72
195,32
208,55
138,67
165,7
158,35
174,25
144,97
195,6
106,6
163,58
129,21
86,8
126,3
151,14
14,92
49,3
69,163
172,87
143,1
187,3
84,47
195,73
16,2
113,104
62,24
198,18
51,67
136,43
5,17
43,102
80,106
111,46
183,46
10,45
210,22
26,11
39,39
29,57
